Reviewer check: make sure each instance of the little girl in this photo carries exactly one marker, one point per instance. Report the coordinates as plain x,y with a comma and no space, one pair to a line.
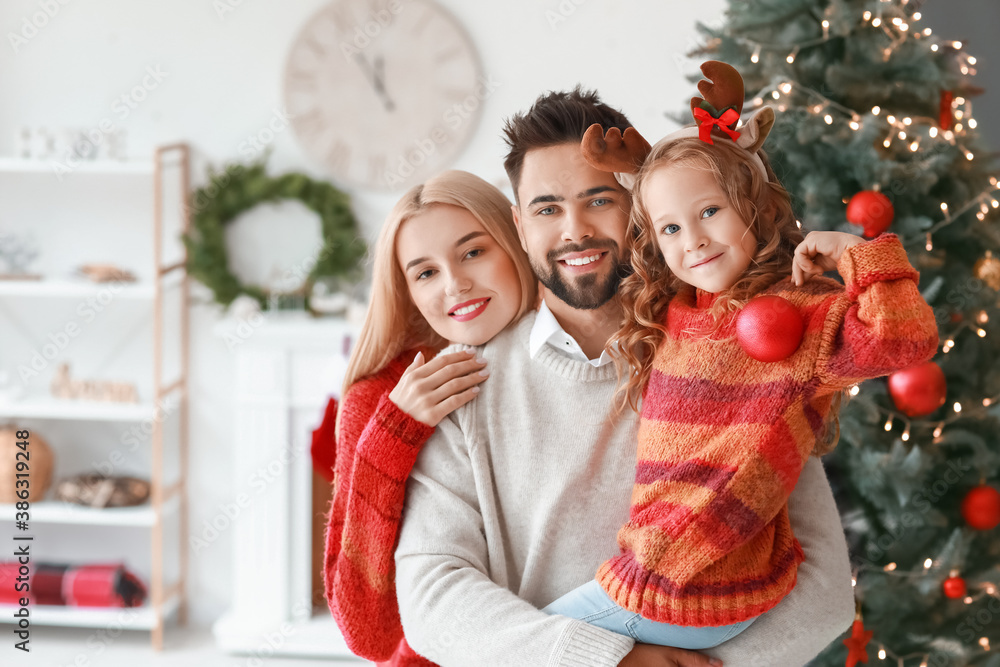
708,546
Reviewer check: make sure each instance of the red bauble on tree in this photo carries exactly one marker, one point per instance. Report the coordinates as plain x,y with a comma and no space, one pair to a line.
981,508
919,390
954,587
872,211
946,115
769,328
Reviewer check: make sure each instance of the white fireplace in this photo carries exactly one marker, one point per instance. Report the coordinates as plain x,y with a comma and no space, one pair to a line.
287,366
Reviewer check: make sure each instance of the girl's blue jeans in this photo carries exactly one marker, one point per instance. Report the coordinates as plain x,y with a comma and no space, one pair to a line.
590,604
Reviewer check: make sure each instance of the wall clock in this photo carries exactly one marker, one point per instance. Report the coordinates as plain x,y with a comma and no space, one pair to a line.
384,93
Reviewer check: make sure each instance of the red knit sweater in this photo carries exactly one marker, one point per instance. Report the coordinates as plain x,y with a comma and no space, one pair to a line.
376,450
723,439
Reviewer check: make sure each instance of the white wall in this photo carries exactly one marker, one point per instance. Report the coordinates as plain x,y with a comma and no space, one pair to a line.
222,83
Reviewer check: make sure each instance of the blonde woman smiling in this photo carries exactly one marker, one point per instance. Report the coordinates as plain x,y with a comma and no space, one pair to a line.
448,268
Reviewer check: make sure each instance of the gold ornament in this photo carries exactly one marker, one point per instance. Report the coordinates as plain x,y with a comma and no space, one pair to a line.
987,269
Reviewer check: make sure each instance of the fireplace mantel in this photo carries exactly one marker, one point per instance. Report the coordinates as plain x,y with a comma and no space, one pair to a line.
287,365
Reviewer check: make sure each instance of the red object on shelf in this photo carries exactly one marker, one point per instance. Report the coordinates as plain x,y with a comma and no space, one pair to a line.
872,211
919,390
981,508
108,585
770,328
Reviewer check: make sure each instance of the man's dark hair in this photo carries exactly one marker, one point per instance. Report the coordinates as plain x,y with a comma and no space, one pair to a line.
555,118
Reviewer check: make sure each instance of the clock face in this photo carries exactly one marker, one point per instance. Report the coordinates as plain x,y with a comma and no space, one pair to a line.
385,93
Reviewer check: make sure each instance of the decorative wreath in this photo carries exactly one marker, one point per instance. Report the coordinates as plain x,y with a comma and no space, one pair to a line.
239,188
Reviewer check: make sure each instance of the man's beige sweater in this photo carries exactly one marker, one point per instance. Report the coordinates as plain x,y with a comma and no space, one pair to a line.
517,499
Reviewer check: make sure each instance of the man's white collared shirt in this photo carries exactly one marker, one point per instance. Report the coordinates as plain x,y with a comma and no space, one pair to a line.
547,329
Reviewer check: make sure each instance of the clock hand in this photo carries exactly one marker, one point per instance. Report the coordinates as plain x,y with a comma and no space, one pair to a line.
375,76
380,80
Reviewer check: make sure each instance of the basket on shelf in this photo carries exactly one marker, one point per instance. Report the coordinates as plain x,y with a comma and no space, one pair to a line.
98,491
36,459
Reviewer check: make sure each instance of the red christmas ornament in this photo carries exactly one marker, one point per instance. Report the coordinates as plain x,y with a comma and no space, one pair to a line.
954,587
769,328
872,211
981,508
946,116
919,390
856,643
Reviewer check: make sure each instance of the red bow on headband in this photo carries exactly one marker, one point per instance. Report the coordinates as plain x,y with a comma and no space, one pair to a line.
707,121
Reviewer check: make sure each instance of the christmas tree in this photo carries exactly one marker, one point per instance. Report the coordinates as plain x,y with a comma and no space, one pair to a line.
875,127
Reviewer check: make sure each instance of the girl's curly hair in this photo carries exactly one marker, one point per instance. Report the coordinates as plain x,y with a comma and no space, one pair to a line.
764,206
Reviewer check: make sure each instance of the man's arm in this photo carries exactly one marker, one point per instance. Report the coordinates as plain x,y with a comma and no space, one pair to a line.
452,612
821,606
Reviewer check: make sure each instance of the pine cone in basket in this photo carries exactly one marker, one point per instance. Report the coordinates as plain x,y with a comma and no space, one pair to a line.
99,491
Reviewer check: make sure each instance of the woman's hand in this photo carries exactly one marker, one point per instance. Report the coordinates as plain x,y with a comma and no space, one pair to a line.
820,252
648,655
430,391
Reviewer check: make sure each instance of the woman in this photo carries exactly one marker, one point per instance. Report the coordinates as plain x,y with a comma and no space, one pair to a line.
448,268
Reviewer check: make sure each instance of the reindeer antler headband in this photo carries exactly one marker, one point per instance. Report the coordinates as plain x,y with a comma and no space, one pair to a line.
717,111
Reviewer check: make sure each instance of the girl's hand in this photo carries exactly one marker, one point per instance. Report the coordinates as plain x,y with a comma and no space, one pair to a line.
820,252
430,391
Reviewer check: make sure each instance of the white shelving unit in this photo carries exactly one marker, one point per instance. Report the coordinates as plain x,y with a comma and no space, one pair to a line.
82,289
128,618
168,497
47,407
54,511
22,166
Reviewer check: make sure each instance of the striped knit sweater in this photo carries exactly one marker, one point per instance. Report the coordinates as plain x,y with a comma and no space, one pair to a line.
723,438
376,450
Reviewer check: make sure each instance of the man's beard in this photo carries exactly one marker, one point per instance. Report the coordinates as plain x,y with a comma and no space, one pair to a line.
584,292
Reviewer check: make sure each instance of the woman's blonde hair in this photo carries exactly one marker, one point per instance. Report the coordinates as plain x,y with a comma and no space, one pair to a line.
765,207
393,324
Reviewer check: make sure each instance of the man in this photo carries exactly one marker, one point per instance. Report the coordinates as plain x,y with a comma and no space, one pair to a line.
518,496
